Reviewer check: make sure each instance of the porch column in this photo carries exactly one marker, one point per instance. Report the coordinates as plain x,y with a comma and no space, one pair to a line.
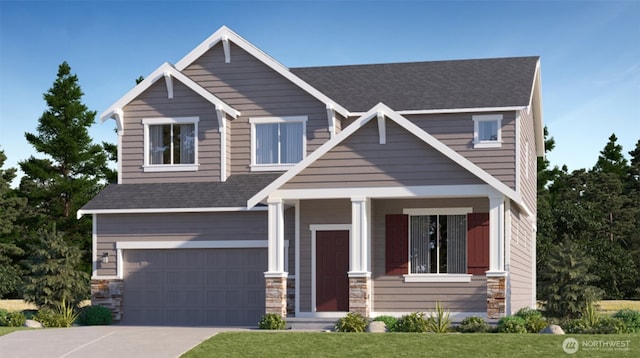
359,274
275,277
496,276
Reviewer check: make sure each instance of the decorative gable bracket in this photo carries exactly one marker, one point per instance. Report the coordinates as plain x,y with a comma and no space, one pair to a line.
382,129
169,81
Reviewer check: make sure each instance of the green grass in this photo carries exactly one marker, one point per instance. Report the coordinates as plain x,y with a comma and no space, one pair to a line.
7,330
317,344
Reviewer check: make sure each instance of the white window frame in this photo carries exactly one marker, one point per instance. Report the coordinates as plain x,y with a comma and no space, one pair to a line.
148,167
272,120
434,277
483,118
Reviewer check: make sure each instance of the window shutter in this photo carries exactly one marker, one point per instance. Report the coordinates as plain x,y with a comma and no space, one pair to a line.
477,243
397,244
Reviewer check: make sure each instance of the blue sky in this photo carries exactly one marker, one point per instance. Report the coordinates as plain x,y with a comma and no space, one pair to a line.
590,52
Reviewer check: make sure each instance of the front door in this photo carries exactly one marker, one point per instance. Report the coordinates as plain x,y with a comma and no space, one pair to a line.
332,264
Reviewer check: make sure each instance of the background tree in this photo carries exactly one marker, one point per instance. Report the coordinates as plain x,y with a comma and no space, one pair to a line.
11,206
74,169
54,274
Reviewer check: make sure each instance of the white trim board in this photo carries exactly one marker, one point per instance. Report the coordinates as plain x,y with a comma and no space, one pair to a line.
226,33
81,212
409,126
217,244
314,228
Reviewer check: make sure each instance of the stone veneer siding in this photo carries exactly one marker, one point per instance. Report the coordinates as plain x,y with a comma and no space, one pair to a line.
108,293
276,295
359,300
496,297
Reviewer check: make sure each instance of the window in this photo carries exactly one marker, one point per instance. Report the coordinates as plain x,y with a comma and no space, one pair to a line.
170,144
437,244
487,131
430,245
277,143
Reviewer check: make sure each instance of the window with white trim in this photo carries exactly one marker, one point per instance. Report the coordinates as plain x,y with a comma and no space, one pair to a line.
170,144
277,143
487,131
438,244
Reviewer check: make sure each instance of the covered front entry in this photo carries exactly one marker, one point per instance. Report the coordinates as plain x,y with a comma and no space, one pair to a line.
332,264
194,287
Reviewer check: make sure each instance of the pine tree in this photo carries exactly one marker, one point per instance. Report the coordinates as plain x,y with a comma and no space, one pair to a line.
54,274
611,159
74,168
567,283
11,206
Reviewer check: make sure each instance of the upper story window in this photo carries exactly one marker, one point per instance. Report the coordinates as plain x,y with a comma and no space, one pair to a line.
487,131
277,143
170,144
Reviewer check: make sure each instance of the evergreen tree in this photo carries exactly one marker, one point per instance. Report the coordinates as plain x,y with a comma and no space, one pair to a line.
567,282
611,159
75,167
11,206
54,274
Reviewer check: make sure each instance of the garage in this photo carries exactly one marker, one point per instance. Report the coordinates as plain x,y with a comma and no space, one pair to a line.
194,287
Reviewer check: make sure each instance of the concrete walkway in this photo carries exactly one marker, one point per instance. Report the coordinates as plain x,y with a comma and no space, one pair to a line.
106,341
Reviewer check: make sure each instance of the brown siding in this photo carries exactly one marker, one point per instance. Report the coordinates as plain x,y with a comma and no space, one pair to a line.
456,131
520,262
313,212
154,103
361,160
391,293
175,227
255,90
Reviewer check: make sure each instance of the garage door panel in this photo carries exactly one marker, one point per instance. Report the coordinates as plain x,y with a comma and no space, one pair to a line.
194,287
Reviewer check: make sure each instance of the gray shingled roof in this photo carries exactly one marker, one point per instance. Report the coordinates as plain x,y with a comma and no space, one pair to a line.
233,193
482,83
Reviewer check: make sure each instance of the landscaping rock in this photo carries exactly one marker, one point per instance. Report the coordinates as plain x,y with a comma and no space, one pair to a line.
32,324
552,329
377,327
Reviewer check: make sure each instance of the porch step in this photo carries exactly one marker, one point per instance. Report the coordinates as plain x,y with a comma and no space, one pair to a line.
311,324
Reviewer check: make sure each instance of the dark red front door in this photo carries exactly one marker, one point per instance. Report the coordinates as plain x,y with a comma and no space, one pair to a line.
332,264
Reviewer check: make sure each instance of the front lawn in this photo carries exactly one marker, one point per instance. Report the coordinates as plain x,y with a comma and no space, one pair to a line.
320,344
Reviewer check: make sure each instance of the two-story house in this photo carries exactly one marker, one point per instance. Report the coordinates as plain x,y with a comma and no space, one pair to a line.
247,187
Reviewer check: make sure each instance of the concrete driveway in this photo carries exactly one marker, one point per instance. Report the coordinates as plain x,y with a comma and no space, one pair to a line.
105,341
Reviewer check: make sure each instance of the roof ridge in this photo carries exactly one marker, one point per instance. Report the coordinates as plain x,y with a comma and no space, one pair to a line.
404,63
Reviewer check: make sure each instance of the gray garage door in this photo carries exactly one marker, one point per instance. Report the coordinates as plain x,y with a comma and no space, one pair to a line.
194,287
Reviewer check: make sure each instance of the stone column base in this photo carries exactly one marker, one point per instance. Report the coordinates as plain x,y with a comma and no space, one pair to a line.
359,300
108,293
276,294
496,296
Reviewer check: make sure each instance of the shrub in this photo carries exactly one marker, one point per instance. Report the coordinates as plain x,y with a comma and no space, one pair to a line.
534,322
630,318
95,315
389,321
413,322
3,314
473,324
439,322
63,315
272,321
13,319
605,325
512,324
352,322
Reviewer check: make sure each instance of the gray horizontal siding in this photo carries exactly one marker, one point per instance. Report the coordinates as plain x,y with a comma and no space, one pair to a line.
520,263
456,131
361,160
528,183
256,90
154,103
114,228
392,294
